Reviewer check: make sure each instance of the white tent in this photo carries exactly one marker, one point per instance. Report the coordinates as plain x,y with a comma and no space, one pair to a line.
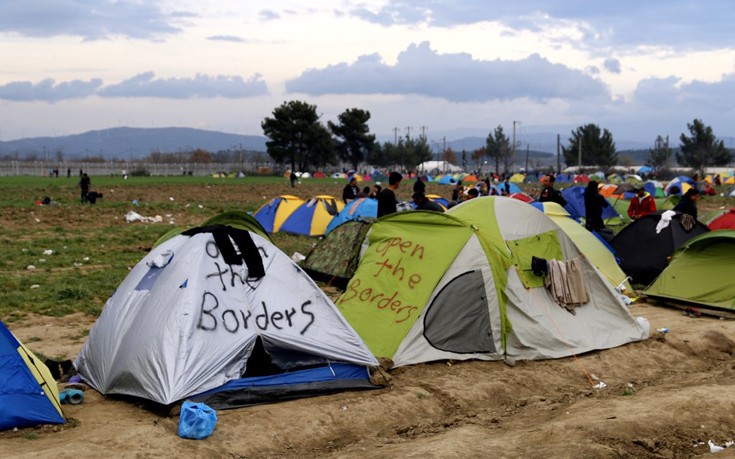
438,166
191,314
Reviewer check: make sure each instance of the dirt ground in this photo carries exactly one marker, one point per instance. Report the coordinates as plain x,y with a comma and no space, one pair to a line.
665,397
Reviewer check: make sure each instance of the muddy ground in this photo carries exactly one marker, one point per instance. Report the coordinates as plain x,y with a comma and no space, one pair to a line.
665,397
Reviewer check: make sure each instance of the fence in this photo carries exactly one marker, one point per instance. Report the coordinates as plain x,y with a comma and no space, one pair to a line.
74,168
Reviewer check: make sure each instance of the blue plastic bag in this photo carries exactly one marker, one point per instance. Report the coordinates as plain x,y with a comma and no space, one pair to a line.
196,421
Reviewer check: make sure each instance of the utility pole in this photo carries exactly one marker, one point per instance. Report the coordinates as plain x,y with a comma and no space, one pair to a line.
408,132
527,148
514,146
558,153
423,131
579,155
395,135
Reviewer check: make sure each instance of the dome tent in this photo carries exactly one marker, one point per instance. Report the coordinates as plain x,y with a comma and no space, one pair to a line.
312,217
700,272
272,214
207,311
28,395
459,285
644,252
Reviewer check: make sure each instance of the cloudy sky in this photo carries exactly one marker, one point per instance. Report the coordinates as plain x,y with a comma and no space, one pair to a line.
442,67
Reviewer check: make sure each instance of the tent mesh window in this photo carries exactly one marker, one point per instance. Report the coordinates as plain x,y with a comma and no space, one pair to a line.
458,319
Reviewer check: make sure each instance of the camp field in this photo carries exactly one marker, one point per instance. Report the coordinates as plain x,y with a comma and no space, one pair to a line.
663,397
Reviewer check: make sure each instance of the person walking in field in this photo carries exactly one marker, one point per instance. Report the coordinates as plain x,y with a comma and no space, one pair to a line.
84,184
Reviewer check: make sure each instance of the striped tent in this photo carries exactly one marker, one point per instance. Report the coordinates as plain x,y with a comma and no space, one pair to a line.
312,217
272,214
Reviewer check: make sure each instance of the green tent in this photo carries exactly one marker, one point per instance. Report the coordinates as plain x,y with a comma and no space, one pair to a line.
335,258
700,272
588,244
459,285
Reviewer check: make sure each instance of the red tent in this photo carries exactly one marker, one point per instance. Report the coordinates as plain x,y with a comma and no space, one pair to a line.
725,220
522,197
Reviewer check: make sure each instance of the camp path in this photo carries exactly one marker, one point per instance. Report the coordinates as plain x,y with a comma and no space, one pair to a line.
665,397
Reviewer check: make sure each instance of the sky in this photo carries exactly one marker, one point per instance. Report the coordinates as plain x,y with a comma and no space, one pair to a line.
444,68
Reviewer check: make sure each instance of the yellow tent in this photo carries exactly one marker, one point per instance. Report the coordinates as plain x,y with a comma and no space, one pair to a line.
517,178
312,217
273,213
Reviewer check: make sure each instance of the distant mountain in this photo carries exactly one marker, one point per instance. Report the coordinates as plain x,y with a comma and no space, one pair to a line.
125,143
540,143
133,143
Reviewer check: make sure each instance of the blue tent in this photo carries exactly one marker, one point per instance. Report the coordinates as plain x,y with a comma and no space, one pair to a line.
644,170
447,180
321,380
678,182
575,204
358,209
563,178
513,187
312,217
28,393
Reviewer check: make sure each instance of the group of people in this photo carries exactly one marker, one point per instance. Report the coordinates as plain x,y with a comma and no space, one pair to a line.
640,205
386,197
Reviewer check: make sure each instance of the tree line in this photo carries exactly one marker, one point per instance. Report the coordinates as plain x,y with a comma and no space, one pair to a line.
299,139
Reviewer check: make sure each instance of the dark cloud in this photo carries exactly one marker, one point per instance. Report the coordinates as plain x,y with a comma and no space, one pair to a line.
89,19
454,77
203,86
48,90
681,23
230,38
142,85
670,94
612,65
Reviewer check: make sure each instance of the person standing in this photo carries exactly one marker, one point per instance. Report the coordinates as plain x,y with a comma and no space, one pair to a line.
551,194
387,203
84,184
349,192
594,202
641,205
505,187
424,203
688,203
375,192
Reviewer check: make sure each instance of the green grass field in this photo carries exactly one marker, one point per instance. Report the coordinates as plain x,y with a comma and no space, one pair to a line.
68,257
